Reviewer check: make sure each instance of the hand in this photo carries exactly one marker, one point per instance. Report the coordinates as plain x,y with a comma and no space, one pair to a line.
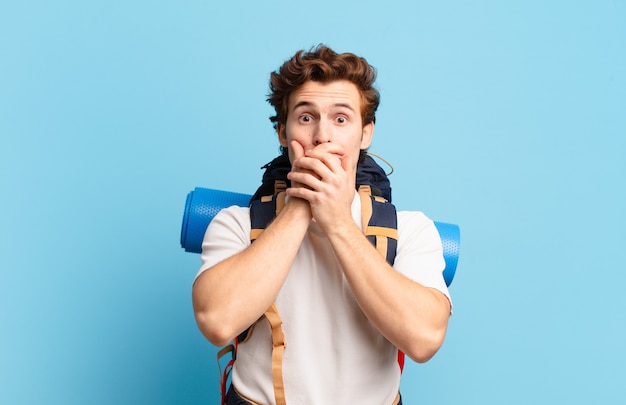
324,176
297,152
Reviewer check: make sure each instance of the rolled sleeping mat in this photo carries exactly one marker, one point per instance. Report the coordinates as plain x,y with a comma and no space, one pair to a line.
450,235
204,203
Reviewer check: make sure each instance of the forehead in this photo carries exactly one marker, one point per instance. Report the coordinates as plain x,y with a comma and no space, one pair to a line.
328,94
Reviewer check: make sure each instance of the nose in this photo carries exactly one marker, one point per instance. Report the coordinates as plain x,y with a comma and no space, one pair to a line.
321,134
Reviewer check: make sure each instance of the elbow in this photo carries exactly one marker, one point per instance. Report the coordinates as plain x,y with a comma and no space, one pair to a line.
422,348
214,330
212,322
427,338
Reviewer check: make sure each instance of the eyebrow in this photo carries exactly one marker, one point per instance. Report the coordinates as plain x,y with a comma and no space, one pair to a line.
305,103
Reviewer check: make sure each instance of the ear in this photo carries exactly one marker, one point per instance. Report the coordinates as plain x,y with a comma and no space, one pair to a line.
282,135
367,136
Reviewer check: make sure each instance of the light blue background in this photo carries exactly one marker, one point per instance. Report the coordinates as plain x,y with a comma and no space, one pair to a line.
507,118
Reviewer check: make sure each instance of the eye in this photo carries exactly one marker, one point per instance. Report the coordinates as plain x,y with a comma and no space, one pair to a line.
341,119
306,118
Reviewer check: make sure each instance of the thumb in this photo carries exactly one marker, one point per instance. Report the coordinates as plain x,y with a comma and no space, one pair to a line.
347,163
297,150
349,166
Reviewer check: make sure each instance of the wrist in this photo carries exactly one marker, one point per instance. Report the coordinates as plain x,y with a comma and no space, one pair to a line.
298,207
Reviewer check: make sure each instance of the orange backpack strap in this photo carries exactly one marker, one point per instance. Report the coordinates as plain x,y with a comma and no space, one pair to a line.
262,212
278,349
265,209
231,348
379,221
379,224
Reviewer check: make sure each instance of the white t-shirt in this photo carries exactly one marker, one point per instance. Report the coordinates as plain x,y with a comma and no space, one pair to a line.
333,353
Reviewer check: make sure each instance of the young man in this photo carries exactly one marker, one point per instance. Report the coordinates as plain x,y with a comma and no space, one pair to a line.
345,311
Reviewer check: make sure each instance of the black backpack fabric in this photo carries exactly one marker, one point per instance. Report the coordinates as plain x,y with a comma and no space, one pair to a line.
379,228
369,173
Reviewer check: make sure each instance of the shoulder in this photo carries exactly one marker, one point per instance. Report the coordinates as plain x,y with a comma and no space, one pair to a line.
233,215
420,252
415,222
230,222
227,234
417,232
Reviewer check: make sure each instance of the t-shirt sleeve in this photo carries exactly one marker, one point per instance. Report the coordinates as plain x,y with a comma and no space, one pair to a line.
420,253
227,234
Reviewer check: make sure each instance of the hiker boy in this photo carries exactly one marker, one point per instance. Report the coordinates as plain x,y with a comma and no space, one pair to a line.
342,310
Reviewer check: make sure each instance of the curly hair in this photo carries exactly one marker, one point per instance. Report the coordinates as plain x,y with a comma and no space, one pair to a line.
322,64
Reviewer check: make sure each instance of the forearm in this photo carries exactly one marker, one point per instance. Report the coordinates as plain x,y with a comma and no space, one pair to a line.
411,316
233,294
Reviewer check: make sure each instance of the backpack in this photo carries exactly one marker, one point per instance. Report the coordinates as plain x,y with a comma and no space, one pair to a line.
379,224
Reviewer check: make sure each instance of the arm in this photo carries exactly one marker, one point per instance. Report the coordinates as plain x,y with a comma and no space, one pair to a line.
411,316
233,294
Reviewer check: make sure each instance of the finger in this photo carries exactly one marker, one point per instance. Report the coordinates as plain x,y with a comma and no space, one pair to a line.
326,148
323,157
303,193
318,167
297,150
299,162
297,155
303,179
347,163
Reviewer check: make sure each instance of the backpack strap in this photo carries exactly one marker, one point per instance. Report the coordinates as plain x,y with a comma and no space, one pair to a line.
264,210
380,223
231,348
380,226
278,348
